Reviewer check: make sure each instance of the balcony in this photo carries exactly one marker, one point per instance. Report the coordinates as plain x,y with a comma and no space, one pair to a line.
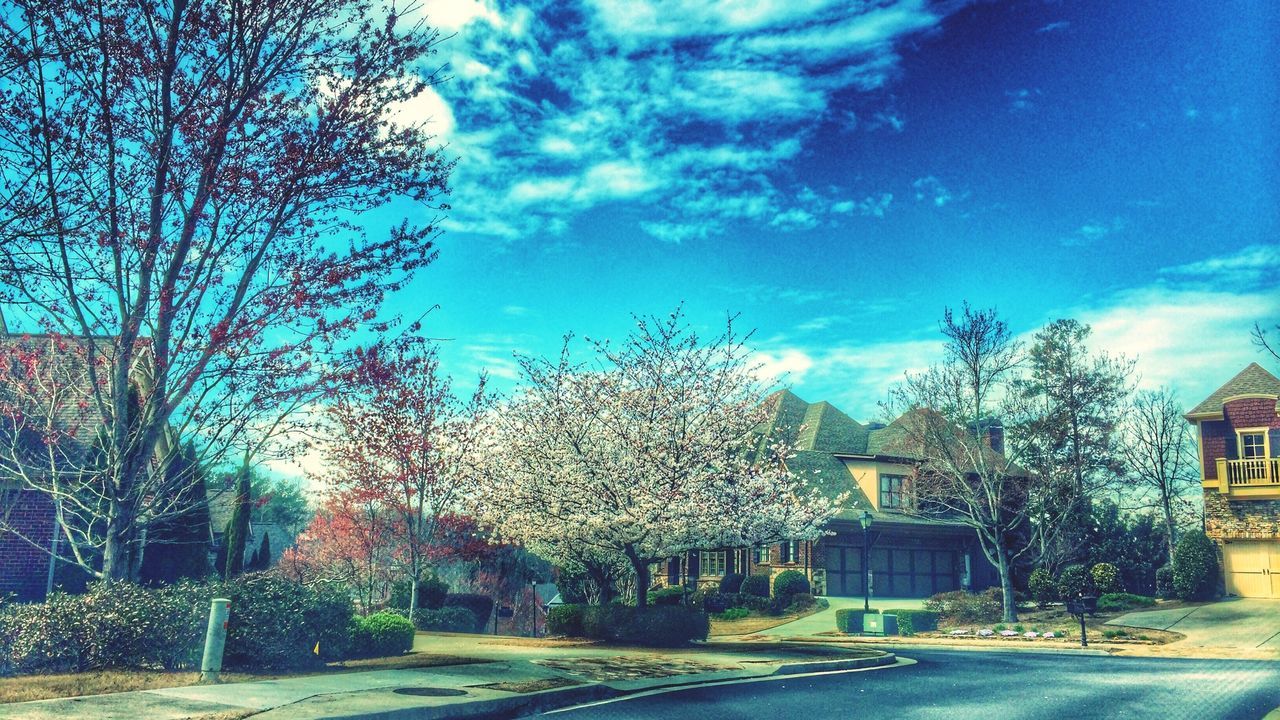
1252,477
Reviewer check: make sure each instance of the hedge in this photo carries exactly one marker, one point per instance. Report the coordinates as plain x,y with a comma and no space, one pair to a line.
1073,581
850,620
1195,567
1106,578
1111,602
381,634
275,624
446,619
1042,587
656,626
481,607
731,584
790,582
1164,582
911,622
962,607
432,592
565,620
757,585
667,596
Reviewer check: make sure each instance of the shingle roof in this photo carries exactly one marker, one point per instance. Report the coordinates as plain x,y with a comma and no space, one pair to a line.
1253,380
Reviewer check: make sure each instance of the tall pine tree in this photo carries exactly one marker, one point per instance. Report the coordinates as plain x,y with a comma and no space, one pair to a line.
177,547
237,533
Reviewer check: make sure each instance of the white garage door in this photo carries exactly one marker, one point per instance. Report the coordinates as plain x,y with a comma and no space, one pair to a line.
1252,569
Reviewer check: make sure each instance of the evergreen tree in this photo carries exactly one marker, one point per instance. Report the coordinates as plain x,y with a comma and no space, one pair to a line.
262,556
237,534
178,546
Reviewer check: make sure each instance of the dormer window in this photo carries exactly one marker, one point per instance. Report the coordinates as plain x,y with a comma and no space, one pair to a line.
895,491
1253,445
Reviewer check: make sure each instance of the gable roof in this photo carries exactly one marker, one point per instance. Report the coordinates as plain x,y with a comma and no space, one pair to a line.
1253,380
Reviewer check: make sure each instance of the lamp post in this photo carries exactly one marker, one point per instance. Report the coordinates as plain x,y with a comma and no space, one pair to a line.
865,521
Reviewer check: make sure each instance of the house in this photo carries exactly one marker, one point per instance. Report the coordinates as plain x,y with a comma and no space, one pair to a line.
909,556
1238,436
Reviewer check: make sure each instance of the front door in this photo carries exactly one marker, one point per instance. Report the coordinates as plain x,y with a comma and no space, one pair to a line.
1252,569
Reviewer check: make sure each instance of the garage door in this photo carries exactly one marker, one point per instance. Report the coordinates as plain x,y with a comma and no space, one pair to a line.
914,573
844,570
1252,569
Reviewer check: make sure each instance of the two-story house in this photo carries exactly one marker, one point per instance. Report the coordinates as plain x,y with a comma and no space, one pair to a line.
909,556
1238,433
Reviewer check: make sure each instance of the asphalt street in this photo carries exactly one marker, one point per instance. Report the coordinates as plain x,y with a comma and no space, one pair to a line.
950,684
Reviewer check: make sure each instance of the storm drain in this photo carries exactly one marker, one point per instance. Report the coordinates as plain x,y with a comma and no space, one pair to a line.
429,692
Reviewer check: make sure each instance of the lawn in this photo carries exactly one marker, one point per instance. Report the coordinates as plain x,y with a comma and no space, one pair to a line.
755,622
97,682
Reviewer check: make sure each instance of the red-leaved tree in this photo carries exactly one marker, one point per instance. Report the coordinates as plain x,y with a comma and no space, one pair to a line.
180,191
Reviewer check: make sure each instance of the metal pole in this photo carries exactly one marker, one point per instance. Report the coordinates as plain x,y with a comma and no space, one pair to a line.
866,571
215,639
1084,637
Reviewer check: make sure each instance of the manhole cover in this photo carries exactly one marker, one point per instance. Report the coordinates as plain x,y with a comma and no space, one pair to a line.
430,692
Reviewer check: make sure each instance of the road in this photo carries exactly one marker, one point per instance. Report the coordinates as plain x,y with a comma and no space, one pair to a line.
949,684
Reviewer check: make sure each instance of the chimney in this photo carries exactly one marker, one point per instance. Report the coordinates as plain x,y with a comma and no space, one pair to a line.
993,436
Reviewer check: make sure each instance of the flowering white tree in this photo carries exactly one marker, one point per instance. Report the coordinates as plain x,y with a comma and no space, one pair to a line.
649,451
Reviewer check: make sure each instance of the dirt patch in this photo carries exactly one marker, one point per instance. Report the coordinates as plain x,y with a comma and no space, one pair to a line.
530,686
749,625
629,668
537,642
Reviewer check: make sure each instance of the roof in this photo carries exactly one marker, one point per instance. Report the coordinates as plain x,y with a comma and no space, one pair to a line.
1253,380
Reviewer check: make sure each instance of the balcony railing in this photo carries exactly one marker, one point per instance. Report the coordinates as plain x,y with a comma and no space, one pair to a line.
1250,472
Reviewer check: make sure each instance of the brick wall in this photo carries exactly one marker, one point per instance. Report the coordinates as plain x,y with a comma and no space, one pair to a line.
23,568
1213,443
1243,413
1240,519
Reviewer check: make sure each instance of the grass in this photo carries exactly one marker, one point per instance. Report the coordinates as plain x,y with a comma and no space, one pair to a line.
98,682
755,622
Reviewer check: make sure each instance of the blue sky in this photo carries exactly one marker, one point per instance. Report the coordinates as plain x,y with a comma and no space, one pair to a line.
839,172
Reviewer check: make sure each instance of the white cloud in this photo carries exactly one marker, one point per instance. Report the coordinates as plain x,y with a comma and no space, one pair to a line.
1058,26
784,366
1250,265
930,189
1092,232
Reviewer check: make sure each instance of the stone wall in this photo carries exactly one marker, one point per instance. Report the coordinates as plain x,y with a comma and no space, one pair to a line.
1240,519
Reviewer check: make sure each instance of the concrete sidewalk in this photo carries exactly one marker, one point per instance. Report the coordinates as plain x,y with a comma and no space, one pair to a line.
521,678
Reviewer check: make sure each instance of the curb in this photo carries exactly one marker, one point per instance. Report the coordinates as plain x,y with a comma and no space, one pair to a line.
992,647
828,665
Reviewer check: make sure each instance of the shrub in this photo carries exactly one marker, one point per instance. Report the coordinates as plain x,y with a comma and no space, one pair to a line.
714,602
751,602
911,622
959,606
275,623
565,620
667,596
1195,567
1073,581
850,620
1106,578
660,626
1043,589
1111,602
757,585
481,607
801,601
732,614
1164,582
731,584
790,582
381,634
446,619
431,594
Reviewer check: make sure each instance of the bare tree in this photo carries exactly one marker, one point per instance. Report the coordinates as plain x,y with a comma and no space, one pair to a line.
1159,452
1261,340
946,421
179,210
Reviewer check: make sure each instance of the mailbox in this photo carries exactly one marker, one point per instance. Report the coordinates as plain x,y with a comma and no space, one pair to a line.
1084,605
506,612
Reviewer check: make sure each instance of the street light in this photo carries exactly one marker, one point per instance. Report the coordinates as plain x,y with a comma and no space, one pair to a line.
865,521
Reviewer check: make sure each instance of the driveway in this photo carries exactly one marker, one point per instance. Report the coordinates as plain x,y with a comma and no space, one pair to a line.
825,620
1241,623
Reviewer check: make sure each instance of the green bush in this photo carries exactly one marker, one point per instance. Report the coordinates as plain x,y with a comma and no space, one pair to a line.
801,601
275,624
911,622
667,596
849,620
1073,581
381,634
751,602
431,594
790,582
731,584
715,602
732,614
959,606
1195,567
1106,578
1164,582
1043,589
657,626
1112,602
481,607
446,619
757,585
566,620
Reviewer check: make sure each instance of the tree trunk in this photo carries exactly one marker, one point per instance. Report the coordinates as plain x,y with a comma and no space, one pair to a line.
602,581
1006,583
237,535
642,577
1169,531
413,596
116,561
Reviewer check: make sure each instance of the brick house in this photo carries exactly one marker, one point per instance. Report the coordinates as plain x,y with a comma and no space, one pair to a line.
1238,436
910,556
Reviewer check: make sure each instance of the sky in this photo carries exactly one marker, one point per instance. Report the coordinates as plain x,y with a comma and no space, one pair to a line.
837,173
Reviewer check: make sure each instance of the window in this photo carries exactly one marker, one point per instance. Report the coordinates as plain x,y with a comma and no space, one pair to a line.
711,563
1253,445
760,555
895,491
789,552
